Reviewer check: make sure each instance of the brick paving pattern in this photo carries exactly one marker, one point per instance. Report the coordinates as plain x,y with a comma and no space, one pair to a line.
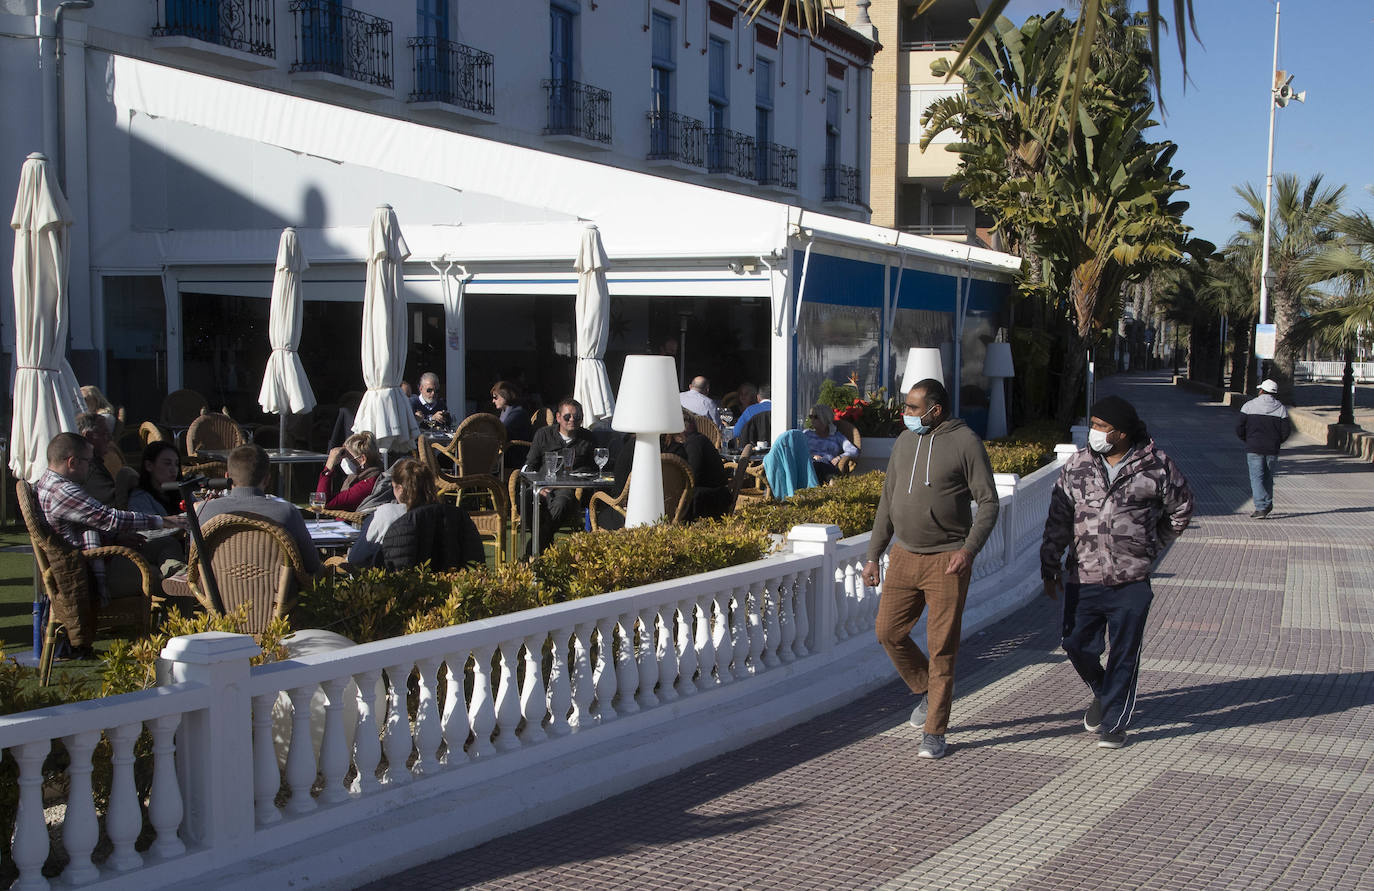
1250,762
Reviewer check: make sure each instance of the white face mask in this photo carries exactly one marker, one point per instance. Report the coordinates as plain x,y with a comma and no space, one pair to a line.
1097,441
350,466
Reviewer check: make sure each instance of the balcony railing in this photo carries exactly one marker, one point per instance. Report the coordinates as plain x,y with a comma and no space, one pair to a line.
730,152
675,137
345,42
577,109
452,73
244,25
923,46
775,165
841,183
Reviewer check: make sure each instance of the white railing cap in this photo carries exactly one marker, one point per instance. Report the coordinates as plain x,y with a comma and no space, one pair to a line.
210,647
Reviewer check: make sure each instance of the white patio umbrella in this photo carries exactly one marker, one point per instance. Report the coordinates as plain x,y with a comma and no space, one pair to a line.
285,389
592,387
47,397
385,411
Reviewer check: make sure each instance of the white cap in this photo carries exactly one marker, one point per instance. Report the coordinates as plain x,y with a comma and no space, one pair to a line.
1268,386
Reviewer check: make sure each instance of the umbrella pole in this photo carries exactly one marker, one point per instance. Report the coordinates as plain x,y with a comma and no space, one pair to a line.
281,432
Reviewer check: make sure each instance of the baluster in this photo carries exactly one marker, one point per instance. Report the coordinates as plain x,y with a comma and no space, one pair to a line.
604,675
123,817
81,827
583,682
533,703
266,773
165,809
396,739
367,748
666,656
801,619
785,590
841,585
647,655
560,686
333,765
739,632
757,606
626,671
508,699
455,724
859,594
300,758
428,734
29,847
482,712
687,648
772,621
706,643
720,636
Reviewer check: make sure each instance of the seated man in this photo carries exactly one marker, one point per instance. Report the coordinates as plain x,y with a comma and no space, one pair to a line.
826,444
561,505
84,523
100,484
755,420
249,473
711,485
428,405
697,400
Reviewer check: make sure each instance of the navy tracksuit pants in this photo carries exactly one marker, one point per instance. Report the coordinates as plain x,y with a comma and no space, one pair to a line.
1119,611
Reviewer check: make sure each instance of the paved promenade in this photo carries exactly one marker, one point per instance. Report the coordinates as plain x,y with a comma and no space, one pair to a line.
1250,763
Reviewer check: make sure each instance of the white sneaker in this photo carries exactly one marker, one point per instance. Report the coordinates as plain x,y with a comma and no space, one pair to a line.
932,746
918,714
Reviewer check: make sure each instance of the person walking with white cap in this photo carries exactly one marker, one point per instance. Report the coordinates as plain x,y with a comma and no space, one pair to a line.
1263,426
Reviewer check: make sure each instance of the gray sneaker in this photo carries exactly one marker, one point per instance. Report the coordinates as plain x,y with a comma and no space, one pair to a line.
932,746
1111,740
1092,718
918,714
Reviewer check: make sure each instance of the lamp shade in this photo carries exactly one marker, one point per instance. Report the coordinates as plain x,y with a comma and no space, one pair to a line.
922,363
647,401
998,363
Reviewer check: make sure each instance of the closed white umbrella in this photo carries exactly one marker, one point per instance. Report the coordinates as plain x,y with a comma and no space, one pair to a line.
385,411
285,389
592,388
47,397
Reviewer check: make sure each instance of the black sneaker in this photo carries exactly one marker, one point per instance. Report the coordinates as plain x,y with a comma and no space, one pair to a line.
1092,718
1260,514
932,746
1111,740
918,714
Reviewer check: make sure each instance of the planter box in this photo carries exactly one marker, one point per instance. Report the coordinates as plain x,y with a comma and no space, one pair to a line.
874,453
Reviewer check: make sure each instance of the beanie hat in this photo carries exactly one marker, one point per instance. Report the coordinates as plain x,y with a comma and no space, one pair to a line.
1119,413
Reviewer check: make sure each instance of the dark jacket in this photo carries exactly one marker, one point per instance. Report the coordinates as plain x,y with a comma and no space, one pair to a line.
517,422
1264,425
441,533
548,439
1113,532
711,492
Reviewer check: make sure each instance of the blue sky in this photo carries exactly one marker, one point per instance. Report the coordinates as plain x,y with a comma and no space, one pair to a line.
1221,123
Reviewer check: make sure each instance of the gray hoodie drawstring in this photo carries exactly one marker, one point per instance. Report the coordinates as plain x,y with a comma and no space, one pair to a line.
915,459
929,452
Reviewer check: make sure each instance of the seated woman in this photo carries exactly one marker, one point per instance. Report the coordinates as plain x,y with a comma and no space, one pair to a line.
506,398
165,549
826,444
350,472
96,403
413,484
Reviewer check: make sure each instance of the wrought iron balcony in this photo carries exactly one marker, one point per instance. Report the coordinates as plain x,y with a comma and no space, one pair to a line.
675,137
244,25
730,152
345,42
841,183
775,165
452,73
577,109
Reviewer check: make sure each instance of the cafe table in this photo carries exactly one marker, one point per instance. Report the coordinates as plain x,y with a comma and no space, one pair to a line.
331,534
287,458
538,479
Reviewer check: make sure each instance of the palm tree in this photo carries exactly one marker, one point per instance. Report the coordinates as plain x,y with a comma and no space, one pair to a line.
1302,225
811,16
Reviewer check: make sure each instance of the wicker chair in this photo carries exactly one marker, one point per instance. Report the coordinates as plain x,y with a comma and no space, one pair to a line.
490,522
706,427
66,582
754,487
180,408
254,562
677,492
215,431
739,474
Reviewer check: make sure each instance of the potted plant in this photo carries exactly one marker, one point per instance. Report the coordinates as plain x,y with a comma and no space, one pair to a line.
876,417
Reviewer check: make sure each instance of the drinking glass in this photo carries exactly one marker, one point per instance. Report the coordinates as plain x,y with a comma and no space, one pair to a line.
569,459
317,502
553,462
601,456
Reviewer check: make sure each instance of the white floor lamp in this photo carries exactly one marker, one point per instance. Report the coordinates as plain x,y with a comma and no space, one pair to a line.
997,366
647,405
922,363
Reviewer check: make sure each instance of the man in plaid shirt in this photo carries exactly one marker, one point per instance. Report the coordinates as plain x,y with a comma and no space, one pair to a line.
83,521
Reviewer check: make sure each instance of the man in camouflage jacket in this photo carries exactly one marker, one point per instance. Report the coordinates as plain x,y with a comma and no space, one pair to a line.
1116,506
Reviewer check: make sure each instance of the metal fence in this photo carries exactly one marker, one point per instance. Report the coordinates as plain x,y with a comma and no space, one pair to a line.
841,183
675,137
452,73
730,152
340,41
578,109
776,165
244,25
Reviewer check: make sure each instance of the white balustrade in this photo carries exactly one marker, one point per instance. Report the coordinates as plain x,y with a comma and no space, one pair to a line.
81,827
584,681
626,669
429,733
164,796
507,699
803,584
367,747
123,816
648,657
721,644
455,723
667,656
738,607
784,598
686,645
396,739
300,759
755,619
604,675
266,774
560,686
532,698
29,844
482,711
708,617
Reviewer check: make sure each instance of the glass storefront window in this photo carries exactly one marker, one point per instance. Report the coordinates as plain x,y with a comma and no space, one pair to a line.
135,344
837,343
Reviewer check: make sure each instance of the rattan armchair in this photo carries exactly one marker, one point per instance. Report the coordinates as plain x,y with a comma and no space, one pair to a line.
490,522
255,562
708,428
677,492
66,583
180,408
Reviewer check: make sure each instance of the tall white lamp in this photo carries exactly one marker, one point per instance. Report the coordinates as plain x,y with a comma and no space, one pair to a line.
922,363
997,366
647,405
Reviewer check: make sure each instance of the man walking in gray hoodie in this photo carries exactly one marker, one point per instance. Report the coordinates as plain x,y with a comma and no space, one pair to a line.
937,468
1263,425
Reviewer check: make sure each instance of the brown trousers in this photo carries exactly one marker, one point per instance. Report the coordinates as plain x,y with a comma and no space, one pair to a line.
913,583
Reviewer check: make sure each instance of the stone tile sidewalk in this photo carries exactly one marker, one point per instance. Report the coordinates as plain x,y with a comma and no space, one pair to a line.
1250,762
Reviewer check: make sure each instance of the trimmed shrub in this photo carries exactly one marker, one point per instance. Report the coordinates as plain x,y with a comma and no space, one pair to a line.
373,604
480,594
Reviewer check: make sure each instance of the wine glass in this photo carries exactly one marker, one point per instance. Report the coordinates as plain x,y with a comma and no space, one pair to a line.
317,503
601,456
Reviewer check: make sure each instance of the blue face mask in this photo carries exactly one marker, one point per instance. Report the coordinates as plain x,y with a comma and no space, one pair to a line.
915,426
